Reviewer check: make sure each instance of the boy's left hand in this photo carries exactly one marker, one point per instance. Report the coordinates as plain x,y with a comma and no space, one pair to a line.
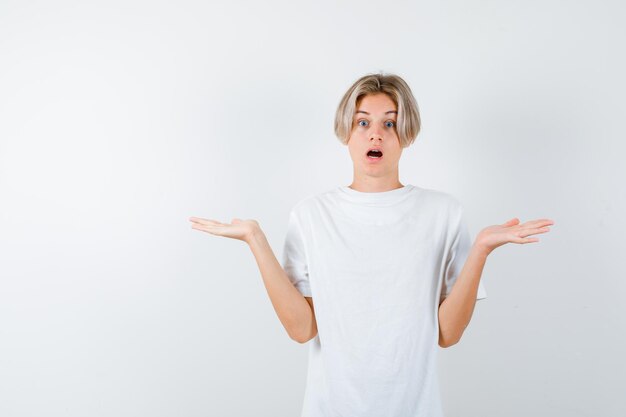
492,237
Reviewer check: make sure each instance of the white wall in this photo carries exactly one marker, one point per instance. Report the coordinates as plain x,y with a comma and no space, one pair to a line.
120,120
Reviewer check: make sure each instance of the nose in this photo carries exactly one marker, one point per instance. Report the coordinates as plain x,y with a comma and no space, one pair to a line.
374,134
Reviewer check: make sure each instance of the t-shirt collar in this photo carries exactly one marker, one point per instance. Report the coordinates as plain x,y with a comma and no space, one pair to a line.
374,197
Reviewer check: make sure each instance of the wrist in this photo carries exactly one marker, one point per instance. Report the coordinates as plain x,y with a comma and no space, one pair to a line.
255,235
480,250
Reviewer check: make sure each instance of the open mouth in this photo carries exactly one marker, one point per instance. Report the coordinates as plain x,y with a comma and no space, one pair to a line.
374,154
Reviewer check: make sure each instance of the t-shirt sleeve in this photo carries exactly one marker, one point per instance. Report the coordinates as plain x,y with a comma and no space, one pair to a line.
457,255
294,260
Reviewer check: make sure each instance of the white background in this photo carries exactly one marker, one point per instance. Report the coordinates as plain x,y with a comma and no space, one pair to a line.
120,120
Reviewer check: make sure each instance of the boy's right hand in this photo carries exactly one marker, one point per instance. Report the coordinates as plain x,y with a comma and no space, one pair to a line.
237,229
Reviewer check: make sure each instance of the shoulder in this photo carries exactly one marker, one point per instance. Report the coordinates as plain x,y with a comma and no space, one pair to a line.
441,199
311,201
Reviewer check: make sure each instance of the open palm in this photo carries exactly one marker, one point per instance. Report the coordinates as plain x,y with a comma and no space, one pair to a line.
237,229
511,231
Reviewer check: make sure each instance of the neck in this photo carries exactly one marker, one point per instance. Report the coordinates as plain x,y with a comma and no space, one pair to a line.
375,185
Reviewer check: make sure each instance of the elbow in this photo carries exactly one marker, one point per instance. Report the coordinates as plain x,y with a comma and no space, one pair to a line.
296,336
447,343
306,339
302,335
450,336
302,338
304,330
309,337
443,343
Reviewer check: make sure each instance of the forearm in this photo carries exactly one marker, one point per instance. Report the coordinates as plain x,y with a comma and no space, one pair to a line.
293,311
456,310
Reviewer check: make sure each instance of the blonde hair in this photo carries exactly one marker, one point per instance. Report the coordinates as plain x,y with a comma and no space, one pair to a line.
408,122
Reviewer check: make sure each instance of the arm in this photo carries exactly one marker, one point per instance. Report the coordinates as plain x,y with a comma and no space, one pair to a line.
455,312
294,311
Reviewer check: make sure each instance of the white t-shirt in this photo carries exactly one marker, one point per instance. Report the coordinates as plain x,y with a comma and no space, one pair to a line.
377,266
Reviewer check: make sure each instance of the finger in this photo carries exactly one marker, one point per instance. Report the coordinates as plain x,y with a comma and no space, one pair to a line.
524,240
535,225
530,232
214,230
198,226
543,229
540,222
204,221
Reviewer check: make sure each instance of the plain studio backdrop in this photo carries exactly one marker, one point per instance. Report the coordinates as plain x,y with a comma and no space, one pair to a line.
120,120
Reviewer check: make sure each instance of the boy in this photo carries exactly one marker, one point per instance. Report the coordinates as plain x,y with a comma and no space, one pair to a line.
391,268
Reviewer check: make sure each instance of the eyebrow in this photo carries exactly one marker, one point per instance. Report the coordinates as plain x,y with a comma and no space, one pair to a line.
387,112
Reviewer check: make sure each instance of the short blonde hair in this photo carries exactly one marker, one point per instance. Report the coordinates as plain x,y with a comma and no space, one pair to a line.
408,122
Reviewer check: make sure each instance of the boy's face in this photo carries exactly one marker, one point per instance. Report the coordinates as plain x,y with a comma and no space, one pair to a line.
374,125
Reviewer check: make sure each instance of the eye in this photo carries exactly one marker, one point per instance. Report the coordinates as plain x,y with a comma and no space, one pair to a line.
362,122
390,123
